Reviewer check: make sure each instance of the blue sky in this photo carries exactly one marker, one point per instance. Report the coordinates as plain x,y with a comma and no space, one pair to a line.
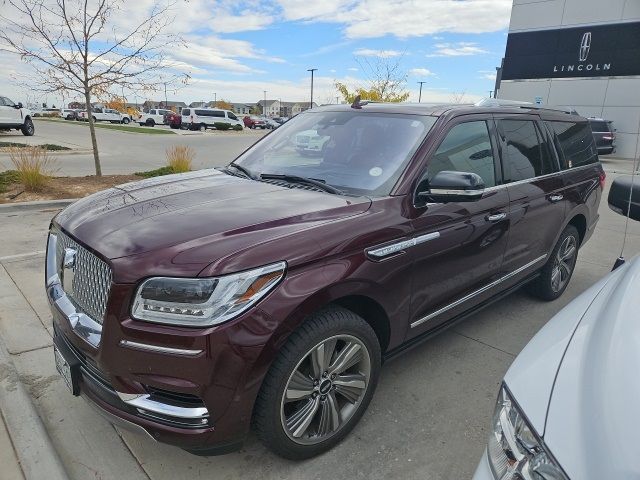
238,49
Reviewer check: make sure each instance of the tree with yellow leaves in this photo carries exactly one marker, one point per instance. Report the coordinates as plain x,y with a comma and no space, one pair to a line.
386,81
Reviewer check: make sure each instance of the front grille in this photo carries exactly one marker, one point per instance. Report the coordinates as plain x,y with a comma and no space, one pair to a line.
91,280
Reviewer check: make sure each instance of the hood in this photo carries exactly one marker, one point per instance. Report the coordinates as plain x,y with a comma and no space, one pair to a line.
180,215
593,417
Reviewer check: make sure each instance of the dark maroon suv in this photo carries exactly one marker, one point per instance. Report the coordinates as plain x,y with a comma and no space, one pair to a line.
268,293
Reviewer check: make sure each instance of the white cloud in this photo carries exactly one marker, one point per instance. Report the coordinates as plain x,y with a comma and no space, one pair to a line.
422,72
403,18
352,69
487,74
459,49
368,52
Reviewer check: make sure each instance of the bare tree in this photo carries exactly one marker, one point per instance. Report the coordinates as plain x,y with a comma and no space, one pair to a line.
75,46
458,97
386,81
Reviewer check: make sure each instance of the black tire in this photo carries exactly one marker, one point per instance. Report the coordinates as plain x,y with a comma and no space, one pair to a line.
28,129
544,287
150,123
202,127
125,120
324,325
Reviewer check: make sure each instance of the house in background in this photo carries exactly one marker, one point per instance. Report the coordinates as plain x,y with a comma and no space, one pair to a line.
242,108
276,108
152,104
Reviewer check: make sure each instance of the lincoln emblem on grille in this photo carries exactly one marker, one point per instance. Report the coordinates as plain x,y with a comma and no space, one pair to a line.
68,269
585,46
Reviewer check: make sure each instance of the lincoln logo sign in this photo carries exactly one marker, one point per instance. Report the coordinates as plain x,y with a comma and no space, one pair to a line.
585,48
600,51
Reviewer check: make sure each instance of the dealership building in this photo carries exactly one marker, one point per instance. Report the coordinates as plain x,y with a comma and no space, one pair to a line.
578,54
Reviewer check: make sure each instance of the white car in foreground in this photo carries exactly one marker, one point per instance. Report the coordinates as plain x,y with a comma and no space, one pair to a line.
14,115
568,406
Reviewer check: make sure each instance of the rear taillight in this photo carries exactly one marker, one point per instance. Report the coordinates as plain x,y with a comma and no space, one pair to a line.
603,178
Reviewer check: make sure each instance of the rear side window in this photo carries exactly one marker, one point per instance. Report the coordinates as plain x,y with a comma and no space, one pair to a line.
186,111
576,143
524,153
210,113
600,127
466,148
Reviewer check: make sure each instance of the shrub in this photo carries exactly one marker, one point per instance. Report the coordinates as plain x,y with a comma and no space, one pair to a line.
7,178
34,166
221,126
180,158
237,127
158,172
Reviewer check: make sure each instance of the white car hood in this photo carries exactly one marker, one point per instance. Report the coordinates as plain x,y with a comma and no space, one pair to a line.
594,413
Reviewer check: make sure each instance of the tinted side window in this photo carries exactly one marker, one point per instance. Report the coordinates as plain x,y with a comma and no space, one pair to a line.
575,140
600,127
524,155
466,148
186,111
232,116
210,113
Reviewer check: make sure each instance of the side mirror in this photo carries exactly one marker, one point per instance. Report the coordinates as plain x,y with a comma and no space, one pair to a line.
19,105
622,190
449,186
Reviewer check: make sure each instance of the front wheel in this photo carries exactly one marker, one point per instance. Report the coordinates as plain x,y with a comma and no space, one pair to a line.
125,120
27,128
555,275
319,386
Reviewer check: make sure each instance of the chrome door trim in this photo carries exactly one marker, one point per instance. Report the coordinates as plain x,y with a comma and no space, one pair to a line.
158,349
378,253
477,292
541,177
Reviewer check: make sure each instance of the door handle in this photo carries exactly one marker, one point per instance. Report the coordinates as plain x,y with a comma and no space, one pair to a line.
496,217
556,198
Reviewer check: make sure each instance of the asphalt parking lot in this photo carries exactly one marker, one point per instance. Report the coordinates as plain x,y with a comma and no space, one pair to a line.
428,419
123,152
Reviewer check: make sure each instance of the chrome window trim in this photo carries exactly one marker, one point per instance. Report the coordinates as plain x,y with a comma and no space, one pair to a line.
461,193
381,252
464,299
158,349
541,177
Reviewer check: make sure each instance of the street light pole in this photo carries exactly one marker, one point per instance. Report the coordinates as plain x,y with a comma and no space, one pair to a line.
311,70
165,95
264,107
215,100
420,96
337,100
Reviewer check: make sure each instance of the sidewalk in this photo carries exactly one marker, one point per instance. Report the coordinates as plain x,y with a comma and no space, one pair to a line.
10,465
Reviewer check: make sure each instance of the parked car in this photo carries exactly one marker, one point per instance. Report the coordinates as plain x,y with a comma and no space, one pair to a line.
268,292
604,134
174,120
203,118
15,116
271,124
154,117
254,121
280,120
568,404
69,113
311,142
106,115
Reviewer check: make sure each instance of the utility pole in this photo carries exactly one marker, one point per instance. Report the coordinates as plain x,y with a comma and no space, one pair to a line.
264,107
215,100
337,100
311,70
420,96
490,93
165,95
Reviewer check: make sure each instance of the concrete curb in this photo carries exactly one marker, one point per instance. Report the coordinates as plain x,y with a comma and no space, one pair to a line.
36,454
37,205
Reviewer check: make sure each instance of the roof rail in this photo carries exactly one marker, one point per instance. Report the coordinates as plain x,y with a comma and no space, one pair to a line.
497,102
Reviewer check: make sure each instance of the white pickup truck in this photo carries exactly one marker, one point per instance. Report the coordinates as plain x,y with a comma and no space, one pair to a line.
153,117
106,115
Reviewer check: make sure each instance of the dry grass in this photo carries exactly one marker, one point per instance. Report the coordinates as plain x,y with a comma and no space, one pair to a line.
180,158
33,165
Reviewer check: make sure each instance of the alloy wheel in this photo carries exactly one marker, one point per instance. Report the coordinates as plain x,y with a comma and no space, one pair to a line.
325,389
564,263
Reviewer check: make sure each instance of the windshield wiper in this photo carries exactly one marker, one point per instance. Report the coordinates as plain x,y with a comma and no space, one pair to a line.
242,169
296,179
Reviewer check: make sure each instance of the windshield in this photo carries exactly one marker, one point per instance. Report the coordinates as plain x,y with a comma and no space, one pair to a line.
360,153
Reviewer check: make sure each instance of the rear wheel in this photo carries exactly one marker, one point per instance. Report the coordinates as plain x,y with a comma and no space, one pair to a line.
319,386
150,123
125,120
27,128
202,127
555,275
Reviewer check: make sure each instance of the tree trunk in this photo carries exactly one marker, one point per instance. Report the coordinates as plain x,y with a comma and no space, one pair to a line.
92,129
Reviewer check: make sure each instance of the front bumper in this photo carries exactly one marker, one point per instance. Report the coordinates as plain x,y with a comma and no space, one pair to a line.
193,388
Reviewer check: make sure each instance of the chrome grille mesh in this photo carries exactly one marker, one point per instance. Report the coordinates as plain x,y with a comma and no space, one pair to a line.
91,280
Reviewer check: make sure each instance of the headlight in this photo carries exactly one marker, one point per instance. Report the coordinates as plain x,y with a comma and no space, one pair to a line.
202,302
515,451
